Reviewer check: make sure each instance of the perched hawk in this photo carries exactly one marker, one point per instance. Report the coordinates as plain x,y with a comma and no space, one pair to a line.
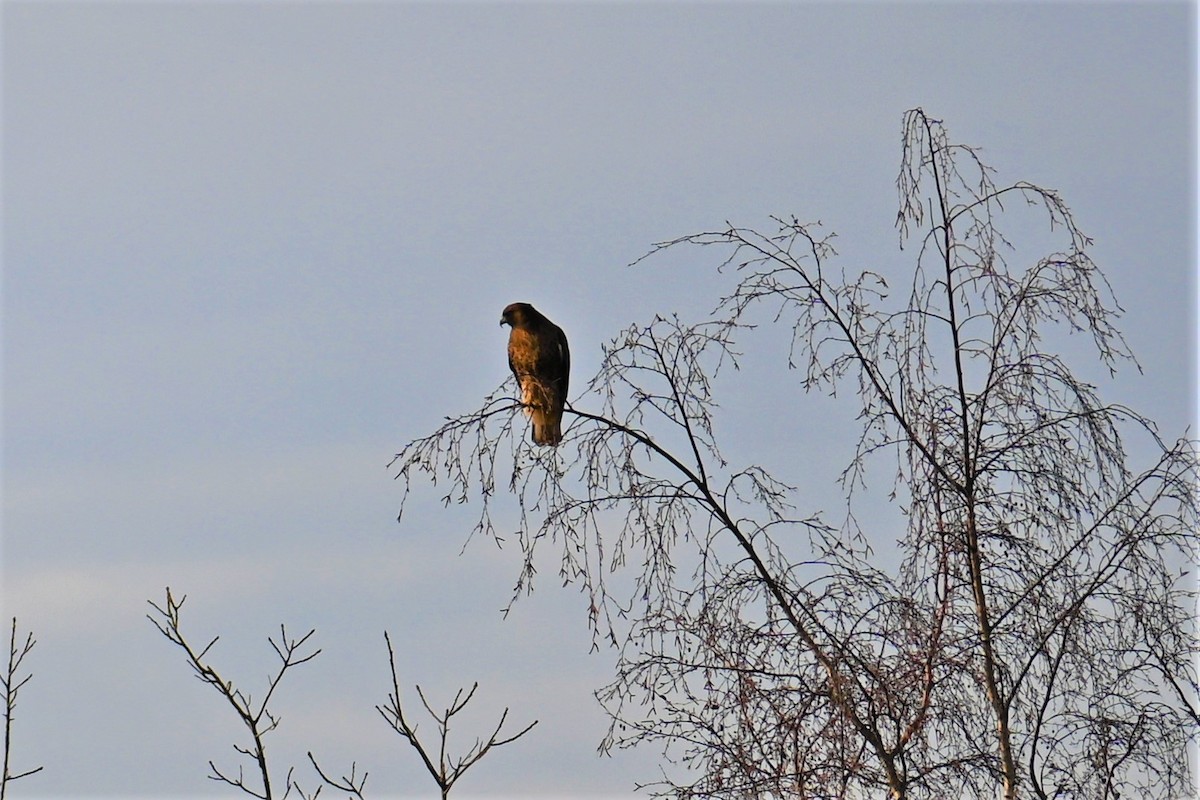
538,356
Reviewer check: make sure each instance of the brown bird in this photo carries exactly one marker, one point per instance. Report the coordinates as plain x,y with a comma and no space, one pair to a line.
541,362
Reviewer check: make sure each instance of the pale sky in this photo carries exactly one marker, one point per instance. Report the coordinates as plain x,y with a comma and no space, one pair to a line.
251,249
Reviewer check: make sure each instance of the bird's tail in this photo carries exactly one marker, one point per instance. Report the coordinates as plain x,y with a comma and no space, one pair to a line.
545,415
547,425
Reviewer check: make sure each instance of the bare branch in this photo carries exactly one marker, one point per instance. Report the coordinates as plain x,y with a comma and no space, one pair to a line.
256,717
351,784
13,683
1025,628
444,769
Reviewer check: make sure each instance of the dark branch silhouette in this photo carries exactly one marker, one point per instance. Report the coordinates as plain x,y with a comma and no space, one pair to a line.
256,716
351,784
13,683
1027,632
445,769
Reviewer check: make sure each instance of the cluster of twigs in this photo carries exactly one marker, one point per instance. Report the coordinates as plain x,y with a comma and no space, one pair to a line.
1030,633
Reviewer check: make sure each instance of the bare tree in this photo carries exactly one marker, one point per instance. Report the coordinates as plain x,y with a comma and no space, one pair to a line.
256,716
444,768
13,683
1029,635
260,720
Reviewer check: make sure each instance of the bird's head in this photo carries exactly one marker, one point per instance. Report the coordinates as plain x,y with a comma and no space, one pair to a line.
516,314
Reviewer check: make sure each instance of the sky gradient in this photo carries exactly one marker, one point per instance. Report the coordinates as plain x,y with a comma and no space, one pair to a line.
251,249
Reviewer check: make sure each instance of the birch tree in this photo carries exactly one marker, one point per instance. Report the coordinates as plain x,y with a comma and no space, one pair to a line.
1028,634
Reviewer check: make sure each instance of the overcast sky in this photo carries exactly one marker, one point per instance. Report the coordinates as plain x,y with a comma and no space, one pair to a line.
250,250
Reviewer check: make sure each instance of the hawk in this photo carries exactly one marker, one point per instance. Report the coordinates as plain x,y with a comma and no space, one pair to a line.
541,362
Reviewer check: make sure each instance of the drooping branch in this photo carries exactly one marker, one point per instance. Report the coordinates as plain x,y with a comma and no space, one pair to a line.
774,654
